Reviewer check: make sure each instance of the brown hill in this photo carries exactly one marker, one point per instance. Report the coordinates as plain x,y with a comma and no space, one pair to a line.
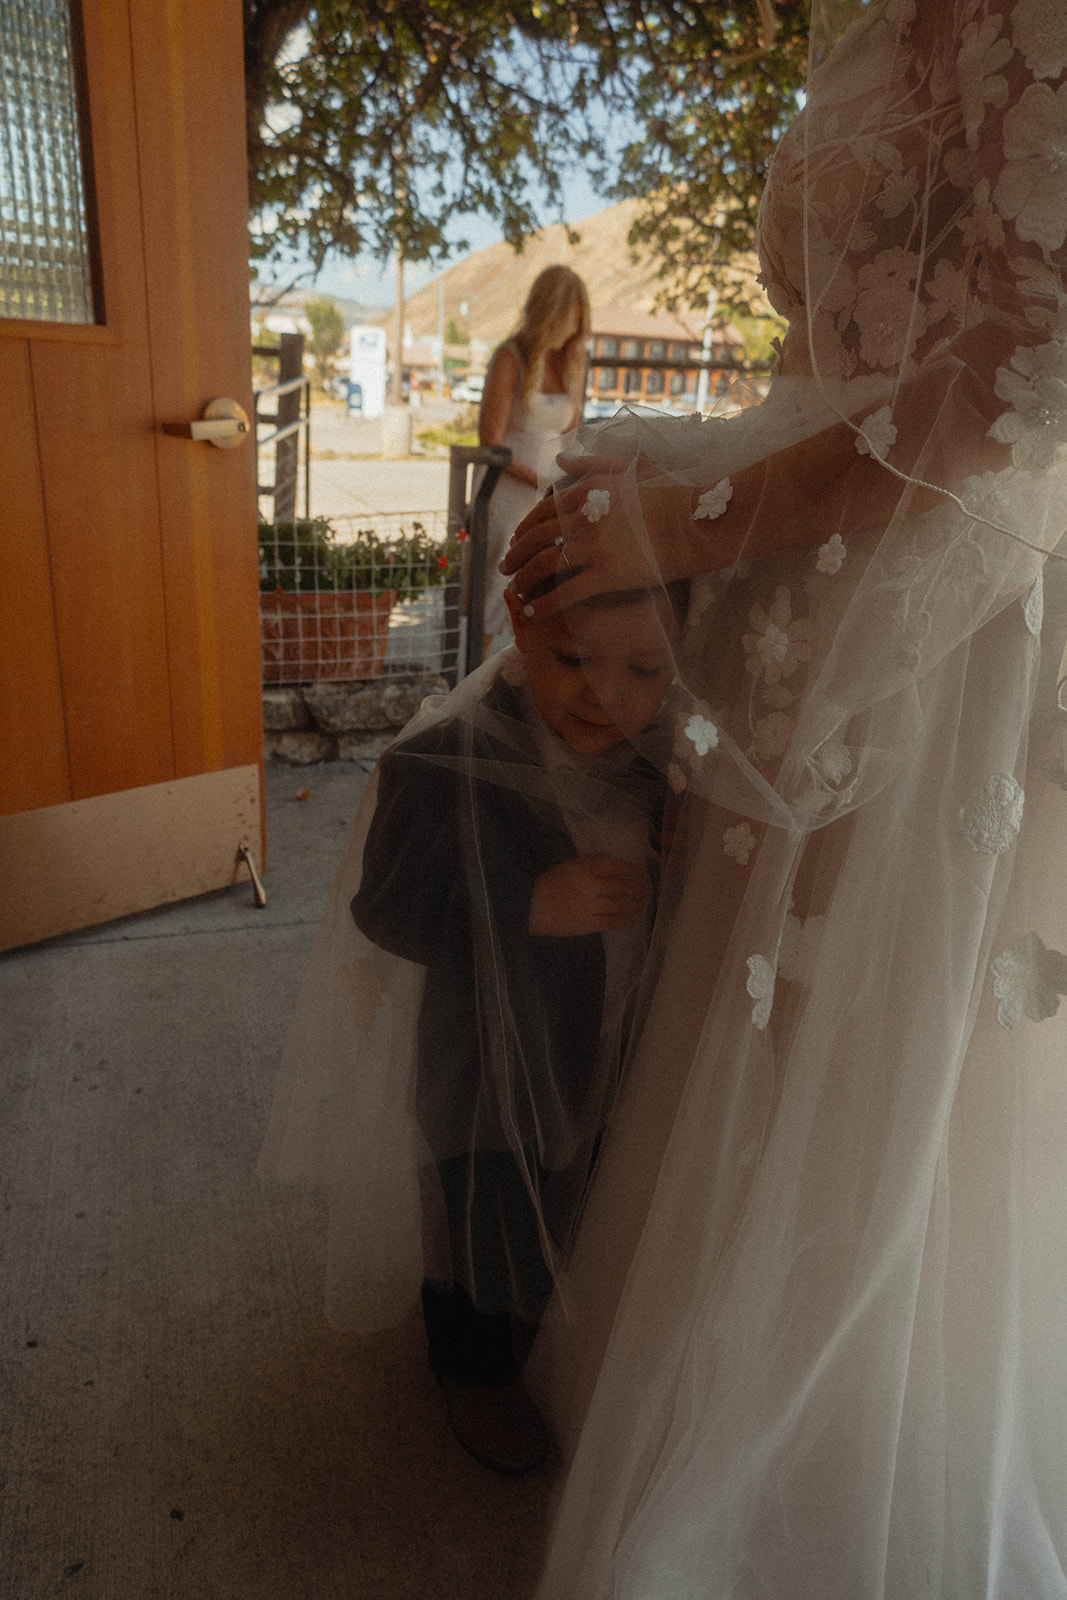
493,282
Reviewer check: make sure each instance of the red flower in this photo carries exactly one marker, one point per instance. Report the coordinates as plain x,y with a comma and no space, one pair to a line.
442,562
462,536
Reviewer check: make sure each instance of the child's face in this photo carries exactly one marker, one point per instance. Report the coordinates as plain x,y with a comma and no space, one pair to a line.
598,675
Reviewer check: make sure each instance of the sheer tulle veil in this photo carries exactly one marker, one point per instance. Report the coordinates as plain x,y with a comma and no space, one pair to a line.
811,1339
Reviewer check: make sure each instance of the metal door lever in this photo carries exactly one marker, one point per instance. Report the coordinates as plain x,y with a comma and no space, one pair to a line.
223,423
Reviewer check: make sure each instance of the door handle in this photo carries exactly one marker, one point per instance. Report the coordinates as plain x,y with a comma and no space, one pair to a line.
222,423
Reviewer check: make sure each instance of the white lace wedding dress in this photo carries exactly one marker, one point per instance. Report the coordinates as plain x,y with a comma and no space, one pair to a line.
534,435
816,1323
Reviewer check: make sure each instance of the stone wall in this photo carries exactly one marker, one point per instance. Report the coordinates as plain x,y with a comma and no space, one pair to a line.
341,721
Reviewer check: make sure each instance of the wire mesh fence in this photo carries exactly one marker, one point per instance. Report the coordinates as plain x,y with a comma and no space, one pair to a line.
353,597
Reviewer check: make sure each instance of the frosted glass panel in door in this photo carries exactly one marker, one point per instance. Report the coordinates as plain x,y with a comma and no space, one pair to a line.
45,263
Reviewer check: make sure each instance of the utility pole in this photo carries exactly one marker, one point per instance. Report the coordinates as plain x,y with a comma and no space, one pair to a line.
396,383
441,329
703,380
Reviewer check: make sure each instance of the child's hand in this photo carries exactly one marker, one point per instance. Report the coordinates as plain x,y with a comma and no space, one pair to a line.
589,894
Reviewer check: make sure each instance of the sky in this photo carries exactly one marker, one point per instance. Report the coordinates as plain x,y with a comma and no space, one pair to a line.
365,279
373,284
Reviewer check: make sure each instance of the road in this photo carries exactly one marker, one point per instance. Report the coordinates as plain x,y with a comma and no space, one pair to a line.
349,477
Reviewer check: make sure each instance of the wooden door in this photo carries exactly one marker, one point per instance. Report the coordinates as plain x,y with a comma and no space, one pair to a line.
131,743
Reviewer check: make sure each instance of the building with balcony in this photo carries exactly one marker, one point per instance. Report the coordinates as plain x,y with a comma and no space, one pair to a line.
638,358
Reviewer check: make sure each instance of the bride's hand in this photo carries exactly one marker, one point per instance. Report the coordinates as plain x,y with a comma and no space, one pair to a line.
581,535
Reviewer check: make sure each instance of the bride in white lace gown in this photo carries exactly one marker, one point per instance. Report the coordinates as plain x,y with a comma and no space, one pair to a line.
816,1322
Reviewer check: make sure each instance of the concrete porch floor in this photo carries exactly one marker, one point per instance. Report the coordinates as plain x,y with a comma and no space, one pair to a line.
178,1419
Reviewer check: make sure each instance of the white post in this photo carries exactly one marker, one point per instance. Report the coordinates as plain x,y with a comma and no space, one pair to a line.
396,389
441,329
703,381
396,423
705,351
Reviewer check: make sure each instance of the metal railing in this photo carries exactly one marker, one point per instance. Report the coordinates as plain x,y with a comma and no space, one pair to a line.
283,429
470,515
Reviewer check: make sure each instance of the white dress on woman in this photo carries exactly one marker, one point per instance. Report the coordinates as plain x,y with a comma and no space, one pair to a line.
534,436
831,1212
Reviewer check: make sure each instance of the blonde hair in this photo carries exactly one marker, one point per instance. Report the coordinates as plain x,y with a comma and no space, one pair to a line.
554,296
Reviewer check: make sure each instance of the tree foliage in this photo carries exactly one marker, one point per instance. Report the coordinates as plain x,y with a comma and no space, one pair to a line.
327,331
711,116
374,126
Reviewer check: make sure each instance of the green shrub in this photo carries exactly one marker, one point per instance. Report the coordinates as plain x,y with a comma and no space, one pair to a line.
306,555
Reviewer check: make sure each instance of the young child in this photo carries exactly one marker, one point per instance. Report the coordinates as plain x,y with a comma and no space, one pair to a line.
510,859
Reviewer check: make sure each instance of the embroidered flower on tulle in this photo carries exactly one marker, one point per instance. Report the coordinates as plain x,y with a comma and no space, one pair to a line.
739,843
982,499
981,225
1028,980
597,505
898,192
981,55
1030,190
862,239
886,311
778,644
713,502
1037,280
702,593
832,761
963,563
992,817
1051,318
877,434
1036,385
1034,606
760,986
869,144
773,650
770,736
702,734
946,293
831,557
513,666
1039,30
828,353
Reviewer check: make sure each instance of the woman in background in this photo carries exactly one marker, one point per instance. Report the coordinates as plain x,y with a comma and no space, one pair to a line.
533,395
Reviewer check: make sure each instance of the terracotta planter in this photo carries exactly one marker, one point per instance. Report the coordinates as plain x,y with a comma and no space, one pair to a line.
305,637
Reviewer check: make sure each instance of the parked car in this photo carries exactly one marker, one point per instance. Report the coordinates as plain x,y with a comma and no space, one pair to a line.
470,389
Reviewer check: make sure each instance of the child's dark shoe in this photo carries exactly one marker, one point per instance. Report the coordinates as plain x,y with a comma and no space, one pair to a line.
498,1424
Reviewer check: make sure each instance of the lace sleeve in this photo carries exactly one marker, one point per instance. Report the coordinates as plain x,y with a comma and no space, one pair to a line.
928,179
